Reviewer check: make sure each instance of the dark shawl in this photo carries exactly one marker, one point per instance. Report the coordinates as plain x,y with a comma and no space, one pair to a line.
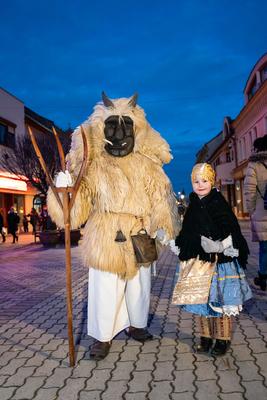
212,217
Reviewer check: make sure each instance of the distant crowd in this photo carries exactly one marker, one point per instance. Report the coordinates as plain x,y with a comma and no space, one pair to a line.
39,222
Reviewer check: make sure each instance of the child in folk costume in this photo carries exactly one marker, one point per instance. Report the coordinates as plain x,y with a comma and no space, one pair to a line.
212,241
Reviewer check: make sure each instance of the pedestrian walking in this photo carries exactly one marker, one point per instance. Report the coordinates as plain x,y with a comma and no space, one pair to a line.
2,228
13,221
255,186
212,253
25,223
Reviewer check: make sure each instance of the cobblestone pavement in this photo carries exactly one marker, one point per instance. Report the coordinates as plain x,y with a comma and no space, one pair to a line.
34,348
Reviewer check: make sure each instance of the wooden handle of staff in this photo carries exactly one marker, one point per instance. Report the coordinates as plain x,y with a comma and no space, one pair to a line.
66,212
72,190
83,168
43,165
60,150
66,207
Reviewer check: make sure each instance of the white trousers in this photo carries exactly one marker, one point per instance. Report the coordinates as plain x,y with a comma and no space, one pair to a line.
115,304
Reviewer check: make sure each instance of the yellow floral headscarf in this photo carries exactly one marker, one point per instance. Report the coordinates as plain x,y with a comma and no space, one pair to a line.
205,171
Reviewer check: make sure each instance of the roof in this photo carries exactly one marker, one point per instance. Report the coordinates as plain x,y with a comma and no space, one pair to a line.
10,94
209,148
40,120
259,64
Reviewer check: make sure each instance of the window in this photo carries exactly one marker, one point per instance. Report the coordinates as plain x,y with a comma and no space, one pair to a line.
253,89
6,138
217,161
264,73
244,147
3,133
250,139
240,150
255,133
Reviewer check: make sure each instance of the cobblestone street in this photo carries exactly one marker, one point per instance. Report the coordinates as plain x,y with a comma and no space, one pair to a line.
34,347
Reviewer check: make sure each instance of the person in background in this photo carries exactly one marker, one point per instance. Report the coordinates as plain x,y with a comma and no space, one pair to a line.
34,218
2,225
211,233
25,223
13,221
43,218
254,189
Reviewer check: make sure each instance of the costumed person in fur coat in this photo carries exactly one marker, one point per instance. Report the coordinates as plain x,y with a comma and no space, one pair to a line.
210,233
254,189
124,190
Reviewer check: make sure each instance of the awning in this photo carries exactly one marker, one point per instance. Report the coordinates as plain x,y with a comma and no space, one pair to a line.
12,182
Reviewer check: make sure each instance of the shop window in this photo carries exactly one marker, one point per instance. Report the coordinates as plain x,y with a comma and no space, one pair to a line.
37,203
19,205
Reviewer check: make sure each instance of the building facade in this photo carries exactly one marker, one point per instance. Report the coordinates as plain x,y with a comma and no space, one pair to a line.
230,157
15,190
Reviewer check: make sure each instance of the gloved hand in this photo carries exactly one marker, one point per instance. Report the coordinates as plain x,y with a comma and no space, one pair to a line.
63,179
174,248
227,242
231,252
212,246
162,237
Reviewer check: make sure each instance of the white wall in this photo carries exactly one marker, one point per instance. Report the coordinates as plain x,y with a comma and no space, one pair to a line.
12,109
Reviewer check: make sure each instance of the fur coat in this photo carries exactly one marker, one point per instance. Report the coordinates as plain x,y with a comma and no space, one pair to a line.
212,217
256,176
119,193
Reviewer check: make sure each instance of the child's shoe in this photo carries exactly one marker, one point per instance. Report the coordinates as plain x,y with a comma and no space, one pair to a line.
221,347
205,345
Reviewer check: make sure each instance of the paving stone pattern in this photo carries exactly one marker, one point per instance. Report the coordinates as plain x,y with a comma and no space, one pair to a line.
34,346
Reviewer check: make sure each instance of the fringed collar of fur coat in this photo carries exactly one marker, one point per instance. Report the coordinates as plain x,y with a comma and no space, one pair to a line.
260,156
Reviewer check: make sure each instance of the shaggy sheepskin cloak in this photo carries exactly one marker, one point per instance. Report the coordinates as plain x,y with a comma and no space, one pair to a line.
119,193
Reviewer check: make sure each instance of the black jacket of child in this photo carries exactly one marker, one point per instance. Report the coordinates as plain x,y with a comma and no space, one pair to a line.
212,217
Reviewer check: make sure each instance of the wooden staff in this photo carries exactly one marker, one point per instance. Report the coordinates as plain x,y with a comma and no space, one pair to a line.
66,207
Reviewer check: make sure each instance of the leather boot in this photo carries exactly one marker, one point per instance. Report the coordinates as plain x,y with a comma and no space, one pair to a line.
221,347
140,334
205,344
99,350
261,281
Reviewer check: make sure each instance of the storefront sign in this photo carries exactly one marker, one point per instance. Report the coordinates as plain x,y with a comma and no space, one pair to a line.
228,181
13,184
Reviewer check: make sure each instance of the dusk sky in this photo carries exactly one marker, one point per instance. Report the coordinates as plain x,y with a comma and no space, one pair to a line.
188,60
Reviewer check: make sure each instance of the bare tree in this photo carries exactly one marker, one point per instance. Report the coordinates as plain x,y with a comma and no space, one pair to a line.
23,161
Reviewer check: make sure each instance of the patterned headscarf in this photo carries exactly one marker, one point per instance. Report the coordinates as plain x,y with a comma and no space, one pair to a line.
205,171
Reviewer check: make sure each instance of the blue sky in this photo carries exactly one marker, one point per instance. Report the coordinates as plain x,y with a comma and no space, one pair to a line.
188,60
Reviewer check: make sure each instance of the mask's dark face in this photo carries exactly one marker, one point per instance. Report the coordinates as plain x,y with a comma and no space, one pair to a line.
119,132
